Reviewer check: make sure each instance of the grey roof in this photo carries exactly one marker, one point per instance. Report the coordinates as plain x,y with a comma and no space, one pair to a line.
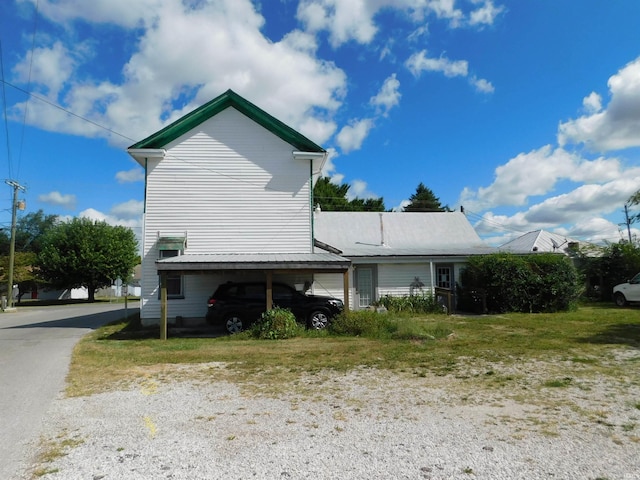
255,261
539,241
375,234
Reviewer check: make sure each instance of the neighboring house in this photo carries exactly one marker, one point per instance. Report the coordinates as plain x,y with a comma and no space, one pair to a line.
228,194
541,241
396,253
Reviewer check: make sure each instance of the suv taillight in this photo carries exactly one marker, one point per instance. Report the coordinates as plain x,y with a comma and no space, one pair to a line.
211,302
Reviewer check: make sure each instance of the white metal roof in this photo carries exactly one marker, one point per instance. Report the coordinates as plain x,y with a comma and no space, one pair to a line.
370,234
539,241
255,261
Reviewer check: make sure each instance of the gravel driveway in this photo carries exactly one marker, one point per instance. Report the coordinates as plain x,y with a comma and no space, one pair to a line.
197,422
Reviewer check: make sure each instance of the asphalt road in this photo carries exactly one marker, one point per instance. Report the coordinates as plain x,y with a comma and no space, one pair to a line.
35,350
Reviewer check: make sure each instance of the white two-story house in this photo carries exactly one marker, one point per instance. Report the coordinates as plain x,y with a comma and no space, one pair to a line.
229,196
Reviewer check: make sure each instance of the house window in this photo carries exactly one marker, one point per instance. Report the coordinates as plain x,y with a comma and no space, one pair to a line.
444,277
175,282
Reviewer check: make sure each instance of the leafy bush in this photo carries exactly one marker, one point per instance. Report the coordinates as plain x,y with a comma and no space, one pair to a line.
519,283
364,323
276,324
423,303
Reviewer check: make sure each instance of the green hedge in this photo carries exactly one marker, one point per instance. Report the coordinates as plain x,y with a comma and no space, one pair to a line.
505,282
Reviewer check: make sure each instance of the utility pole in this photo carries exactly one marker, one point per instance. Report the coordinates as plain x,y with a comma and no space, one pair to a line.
627,221
12,246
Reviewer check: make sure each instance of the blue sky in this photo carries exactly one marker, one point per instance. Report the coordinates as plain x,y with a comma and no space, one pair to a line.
525,112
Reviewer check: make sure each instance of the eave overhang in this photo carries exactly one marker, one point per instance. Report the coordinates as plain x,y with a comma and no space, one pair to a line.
140,155
316,262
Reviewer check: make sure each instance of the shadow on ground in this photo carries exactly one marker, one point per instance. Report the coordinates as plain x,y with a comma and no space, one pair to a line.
617,334
133,332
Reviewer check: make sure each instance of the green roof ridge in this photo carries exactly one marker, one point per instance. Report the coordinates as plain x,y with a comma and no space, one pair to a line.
227,99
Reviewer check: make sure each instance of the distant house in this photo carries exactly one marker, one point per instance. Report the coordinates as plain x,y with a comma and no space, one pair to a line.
541,241
229,196
396,253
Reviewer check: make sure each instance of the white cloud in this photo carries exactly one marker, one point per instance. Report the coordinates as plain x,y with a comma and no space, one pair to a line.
351,136
130,176
329,168
388,96
578,213
132,222
345,20
360,189
618,126
419,62
536,173
221,46
482,85
592,103
586,200
119,12
486,14
354,20
56,198
130,210
51,67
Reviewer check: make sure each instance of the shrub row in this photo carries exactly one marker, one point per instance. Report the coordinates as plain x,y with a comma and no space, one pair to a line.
519,283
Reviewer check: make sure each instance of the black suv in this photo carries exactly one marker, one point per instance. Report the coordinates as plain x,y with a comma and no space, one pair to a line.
238,305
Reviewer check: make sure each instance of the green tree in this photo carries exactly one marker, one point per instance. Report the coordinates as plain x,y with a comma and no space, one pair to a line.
31,228
424,200
87,253
333,198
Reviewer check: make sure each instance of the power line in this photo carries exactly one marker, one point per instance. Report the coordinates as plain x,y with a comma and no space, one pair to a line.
69,112
4,108
26,106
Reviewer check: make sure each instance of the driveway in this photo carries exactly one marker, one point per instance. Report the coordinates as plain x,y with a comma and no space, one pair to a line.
35,350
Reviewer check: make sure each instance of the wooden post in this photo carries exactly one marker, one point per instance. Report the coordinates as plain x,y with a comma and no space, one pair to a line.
269,290
345,286
163,306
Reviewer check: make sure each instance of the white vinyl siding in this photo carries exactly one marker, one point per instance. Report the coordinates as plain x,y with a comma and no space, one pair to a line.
396,279
239,190
328,284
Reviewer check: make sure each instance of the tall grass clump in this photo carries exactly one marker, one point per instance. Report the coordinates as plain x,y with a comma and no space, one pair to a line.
420,303
276,324
363,323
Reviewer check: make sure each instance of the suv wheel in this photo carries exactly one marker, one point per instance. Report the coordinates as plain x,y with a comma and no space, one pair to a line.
318,320
619,299
233,323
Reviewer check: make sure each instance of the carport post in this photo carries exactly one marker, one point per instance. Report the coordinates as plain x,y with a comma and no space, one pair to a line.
345,286
269,290
163,306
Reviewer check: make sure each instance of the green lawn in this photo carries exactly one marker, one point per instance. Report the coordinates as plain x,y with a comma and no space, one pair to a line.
487,350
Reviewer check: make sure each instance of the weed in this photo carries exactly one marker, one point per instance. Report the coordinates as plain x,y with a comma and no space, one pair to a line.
276,324
558,383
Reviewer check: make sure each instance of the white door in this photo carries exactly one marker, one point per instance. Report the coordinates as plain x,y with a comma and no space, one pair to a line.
364,279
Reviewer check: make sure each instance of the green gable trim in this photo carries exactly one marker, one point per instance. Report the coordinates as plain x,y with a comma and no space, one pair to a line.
228,99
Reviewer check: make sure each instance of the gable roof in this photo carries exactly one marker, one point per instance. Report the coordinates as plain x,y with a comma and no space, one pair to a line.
228,99
540,241
373,234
